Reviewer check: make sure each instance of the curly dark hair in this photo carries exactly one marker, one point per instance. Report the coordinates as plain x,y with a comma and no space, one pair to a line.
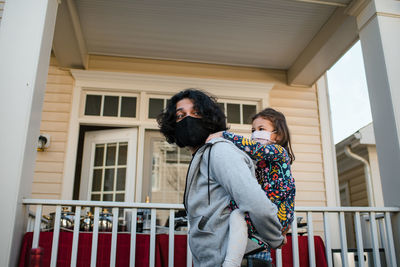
213,117
282,130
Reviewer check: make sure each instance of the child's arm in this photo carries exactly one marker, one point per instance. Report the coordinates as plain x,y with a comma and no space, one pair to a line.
286,212
256,150
282,193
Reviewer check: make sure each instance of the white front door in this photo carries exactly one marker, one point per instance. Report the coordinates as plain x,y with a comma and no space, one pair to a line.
109,165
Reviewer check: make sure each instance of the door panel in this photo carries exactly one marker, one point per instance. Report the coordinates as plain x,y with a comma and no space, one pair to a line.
109,165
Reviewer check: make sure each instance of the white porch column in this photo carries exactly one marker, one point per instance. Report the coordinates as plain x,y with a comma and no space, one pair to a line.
379,26
329,157
26,34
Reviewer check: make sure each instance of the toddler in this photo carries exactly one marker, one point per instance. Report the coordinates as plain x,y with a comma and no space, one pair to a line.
270,149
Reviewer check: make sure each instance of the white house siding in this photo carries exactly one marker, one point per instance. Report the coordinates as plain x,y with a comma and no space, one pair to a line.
355,178
55,117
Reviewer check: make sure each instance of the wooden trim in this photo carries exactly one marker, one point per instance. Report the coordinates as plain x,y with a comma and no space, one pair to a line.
328,146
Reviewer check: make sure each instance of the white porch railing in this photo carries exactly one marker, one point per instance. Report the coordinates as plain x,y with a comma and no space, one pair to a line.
377,219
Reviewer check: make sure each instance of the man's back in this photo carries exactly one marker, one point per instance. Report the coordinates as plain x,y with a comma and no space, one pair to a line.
220,172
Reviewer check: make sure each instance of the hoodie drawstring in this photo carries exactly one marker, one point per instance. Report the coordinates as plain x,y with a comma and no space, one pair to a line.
208,174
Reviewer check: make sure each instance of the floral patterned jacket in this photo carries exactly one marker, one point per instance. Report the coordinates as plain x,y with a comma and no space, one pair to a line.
272,172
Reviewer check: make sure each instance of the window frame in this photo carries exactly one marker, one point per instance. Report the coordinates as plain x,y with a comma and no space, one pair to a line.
227,101
103,94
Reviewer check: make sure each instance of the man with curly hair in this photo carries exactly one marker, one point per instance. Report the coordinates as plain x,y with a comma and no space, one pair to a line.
218,173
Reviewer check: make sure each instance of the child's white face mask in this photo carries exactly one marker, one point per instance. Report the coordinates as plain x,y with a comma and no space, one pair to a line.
263,137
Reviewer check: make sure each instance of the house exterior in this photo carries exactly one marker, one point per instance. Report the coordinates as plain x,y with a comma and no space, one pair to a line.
94,83
354,173
63,95
358,174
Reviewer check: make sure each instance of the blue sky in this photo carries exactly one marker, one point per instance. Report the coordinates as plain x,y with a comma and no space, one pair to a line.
348,94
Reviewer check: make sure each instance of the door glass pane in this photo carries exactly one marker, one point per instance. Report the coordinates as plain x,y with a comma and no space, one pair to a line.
110,106
95,197
99,155
171,156
128,107
221,106
109,180
185,156
96,184
120,197
168,172
156,105
233,113
111,150
248,112
122,153
108,197
93,105
121,176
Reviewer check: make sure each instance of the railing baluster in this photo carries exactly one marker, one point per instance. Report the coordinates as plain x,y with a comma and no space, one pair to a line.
36,229
189,260
382,237
328,247
56,234
279,257
343,239
389,235
93,258
171,238
374,234
133,238
75,239
310,232
359,239
114,237
30,222
295,242
152,238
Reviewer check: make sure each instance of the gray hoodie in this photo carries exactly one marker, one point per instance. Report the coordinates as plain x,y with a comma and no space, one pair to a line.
218,173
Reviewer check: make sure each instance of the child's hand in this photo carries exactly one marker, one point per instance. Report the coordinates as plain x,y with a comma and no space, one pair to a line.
214,135
284,241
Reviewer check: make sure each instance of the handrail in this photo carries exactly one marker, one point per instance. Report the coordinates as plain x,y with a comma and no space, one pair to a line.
347,209
53,202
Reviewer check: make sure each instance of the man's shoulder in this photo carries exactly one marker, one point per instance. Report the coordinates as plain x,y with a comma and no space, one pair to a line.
225,148
221,144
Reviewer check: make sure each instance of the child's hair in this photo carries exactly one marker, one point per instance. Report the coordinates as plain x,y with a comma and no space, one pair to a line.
281,128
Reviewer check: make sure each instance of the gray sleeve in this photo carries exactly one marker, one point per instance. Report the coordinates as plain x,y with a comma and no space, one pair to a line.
230,168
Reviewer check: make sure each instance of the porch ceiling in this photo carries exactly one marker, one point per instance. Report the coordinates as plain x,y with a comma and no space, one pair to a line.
258,33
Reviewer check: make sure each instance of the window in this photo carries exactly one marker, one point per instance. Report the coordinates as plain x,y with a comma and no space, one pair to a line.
156,106
168,169
164,171
110,106
93,105
233,113
248,112
238,113
109,172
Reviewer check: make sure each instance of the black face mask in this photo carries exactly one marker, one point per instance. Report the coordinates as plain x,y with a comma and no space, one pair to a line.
190,132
